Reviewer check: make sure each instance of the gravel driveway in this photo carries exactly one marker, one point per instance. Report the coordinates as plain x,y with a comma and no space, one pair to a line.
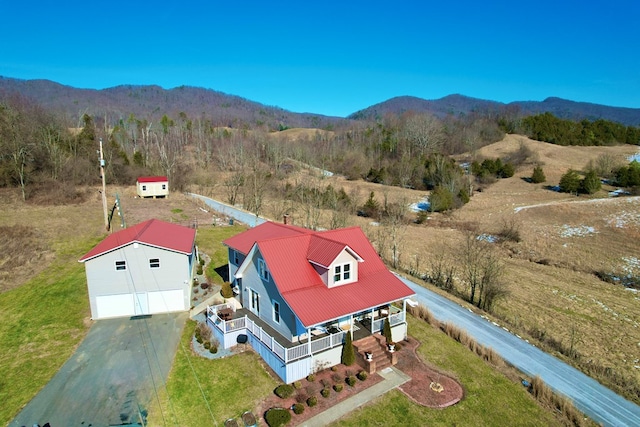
113,374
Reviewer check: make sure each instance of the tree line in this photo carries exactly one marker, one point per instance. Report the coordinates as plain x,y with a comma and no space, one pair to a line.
547,127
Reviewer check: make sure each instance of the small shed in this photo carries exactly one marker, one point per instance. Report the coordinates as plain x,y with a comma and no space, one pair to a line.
152,186
141,270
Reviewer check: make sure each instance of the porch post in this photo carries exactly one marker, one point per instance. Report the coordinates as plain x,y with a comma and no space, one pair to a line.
372,319
309,339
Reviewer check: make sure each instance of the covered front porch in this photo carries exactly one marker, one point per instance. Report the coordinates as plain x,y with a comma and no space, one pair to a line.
319,346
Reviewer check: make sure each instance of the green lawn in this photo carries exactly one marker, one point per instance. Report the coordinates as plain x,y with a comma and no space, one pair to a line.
490,398
206,392
209,241
42,324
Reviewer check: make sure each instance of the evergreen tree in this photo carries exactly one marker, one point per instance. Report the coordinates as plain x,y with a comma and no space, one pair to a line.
570,182
591,183
538,175
386,330
348,353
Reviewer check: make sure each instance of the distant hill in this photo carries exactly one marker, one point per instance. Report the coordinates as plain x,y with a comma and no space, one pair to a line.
152,102
457,105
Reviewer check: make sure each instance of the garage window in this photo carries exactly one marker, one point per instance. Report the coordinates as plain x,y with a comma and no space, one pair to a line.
154,263
121,265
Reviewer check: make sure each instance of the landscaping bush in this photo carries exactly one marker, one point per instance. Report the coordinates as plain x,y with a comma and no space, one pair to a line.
213,349
298,408
362,375
325,392
312,401
297,384
284,391
351,380
226,290
311,377
301,397
277,417
338,387
199,270
204,285
386,331
336,377
348,357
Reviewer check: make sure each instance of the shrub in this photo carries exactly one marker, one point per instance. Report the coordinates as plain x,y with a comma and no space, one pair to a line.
297,384
351,381
325,392
207,345
348,357
362,375
284,391
538,176
213,349
301,397
226,290
312,401
386,331
298,408
199,269
277,417
204,285
336,377
338,387
334,368
311,377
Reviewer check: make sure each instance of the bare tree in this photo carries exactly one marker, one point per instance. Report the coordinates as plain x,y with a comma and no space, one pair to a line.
234,184
424,132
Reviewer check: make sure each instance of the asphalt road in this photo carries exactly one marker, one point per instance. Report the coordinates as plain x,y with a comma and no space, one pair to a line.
113,374
589,396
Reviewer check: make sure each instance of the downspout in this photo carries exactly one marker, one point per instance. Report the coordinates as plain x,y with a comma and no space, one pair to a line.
372,320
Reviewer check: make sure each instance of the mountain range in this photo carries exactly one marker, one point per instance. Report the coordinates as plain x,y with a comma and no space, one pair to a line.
152,102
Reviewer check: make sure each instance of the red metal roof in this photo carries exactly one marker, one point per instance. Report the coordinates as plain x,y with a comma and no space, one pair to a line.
153,179
302,287
243,242
153,232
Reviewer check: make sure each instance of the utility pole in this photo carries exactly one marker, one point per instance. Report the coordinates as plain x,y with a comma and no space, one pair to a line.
104,189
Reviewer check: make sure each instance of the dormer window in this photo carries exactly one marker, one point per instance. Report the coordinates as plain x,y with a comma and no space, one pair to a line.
342,273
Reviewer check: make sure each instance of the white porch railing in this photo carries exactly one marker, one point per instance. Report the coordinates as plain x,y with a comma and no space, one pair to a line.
284,353
394,319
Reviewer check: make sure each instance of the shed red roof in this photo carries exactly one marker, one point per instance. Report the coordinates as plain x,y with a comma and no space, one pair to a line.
153,232
153,179
288,255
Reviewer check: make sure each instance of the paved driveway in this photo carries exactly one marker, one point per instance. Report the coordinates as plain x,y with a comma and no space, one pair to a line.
113,374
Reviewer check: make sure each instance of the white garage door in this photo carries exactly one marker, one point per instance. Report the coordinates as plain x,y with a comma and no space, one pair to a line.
166,301
115,306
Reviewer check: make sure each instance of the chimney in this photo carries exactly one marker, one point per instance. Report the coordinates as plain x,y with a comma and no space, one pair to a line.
285,219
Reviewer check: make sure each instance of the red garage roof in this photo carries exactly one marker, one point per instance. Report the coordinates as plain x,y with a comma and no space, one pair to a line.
288,259
153,232
153,179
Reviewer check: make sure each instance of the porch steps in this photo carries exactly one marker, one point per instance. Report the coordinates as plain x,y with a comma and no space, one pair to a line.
375,345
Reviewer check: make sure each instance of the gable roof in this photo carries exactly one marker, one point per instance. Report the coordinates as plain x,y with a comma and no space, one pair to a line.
288,262
323,251
152,179
153,232
243,242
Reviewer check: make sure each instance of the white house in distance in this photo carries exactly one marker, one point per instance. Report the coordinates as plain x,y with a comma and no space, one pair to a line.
144,269
302,291
152,186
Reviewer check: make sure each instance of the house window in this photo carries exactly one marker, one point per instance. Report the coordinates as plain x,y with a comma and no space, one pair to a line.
164,186
121,265
144,188
154,263
341,272
255,301
276,312
262,267
236,258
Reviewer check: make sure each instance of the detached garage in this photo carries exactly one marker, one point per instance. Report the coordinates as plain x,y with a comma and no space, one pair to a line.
144,269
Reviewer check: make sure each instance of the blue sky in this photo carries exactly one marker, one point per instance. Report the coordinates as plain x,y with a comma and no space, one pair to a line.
331,57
